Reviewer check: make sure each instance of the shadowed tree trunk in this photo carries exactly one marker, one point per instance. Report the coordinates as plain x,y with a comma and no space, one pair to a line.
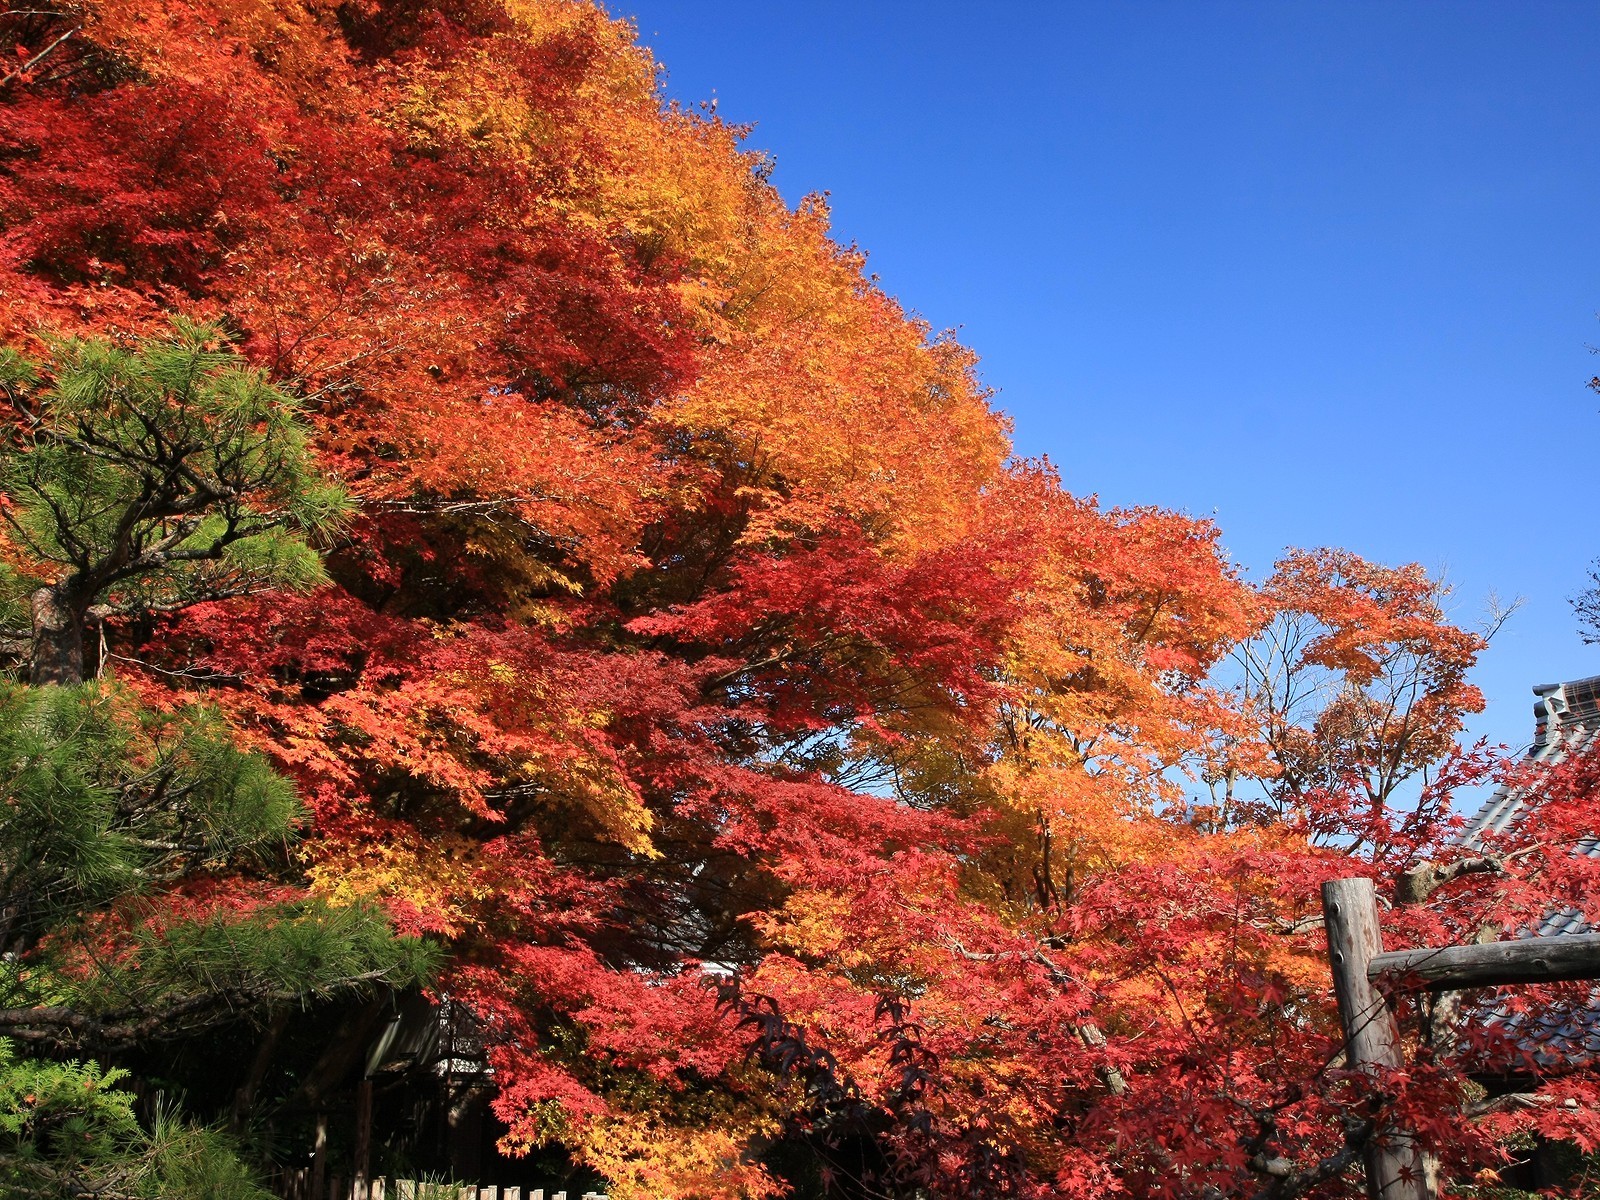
58,620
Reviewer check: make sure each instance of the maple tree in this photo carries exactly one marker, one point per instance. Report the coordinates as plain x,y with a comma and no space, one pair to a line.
798,791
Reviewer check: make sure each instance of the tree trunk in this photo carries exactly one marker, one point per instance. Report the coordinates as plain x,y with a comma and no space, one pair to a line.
245,1098
350,1042
319,1157
363,1153
57,637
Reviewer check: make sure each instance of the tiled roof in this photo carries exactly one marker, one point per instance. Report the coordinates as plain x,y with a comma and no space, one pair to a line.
1566,720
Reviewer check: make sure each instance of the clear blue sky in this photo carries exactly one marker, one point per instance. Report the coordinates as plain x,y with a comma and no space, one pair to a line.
1330,271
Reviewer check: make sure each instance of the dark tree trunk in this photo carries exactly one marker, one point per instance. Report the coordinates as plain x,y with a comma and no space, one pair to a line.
348,1047
244,1100
363,1151
57,637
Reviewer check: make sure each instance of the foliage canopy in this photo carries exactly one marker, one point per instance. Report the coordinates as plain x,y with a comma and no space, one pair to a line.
799,790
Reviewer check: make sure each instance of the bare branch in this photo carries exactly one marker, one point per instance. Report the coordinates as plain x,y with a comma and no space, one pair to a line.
39,57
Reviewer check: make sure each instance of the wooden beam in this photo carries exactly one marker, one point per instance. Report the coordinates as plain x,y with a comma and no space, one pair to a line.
1526,960
1371,1034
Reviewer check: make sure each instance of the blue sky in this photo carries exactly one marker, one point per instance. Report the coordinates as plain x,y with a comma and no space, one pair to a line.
1328,271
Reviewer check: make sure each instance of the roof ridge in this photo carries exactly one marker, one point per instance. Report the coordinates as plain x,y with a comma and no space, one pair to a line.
1566,717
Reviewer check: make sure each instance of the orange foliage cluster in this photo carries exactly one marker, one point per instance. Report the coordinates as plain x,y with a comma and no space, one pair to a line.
780,760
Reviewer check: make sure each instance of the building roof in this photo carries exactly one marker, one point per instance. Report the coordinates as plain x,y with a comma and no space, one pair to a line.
1566,720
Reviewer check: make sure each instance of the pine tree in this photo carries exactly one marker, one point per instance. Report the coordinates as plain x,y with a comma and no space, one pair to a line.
147,478
147,896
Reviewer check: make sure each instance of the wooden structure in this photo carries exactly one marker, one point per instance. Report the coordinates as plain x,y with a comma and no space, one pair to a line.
1396,1170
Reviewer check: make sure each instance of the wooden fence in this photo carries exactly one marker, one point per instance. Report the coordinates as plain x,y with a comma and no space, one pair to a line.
300,1184
1396,1169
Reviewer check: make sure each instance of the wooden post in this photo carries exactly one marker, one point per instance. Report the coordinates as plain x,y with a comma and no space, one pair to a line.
319,1158
1371,1034
363,1138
